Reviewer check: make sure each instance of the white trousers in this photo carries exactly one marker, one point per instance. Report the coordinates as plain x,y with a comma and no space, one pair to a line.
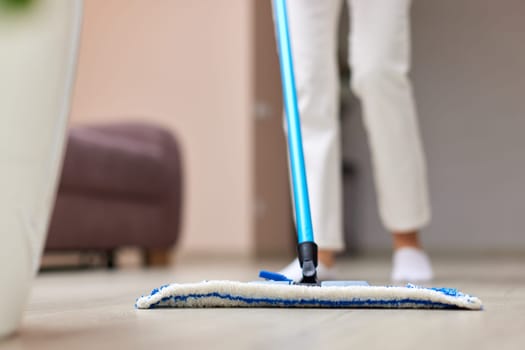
380,61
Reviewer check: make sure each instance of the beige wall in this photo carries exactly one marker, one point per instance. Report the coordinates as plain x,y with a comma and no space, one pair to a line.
186,65
273,224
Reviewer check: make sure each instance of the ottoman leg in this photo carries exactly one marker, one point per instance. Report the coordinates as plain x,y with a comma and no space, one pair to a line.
157,257
110,259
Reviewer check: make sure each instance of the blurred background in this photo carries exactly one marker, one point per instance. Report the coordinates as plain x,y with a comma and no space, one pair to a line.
176,144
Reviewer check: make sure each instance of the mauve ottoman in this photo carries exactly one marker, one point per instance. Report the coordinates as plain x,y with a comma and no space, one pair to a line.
121,186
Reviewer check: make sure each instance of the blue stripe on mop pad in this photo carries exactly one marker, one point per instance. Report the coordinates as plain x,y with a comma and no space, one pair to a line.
243,294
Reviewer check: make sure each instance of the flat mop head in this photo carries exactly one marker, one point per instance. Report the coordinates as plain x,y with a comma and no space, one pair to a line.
286,294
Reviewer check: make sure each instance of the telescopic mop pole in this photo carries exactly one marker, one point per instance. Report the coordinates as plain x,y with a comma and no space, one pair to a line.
306,248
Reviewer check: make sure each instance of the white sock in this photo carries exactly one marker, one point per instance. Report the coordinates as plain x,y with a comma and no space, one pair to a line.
293,271
411,265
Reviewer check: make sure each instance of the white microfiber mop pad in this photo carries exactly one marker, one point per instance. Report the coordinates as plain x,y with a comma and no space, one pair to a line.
282,294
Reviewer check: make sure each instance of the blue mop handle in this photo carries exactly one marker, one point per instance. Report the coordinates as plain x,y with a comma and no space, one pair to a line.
295,144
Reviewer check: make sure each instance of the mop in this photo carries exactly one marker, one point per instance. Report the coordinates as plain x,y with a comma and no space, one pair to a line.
276,290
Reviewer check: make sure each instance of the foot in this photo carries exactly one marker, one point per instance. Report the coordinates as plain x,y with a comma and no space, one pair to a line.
324,273
411,264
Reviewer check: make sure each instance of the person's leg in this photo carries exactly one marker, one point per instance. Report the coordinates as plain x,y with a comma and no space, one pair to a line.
380,61
408,239
313,32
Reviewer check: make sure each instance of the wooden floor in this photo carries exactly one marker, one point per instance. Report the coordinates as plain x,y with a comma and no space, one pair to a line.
94,310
